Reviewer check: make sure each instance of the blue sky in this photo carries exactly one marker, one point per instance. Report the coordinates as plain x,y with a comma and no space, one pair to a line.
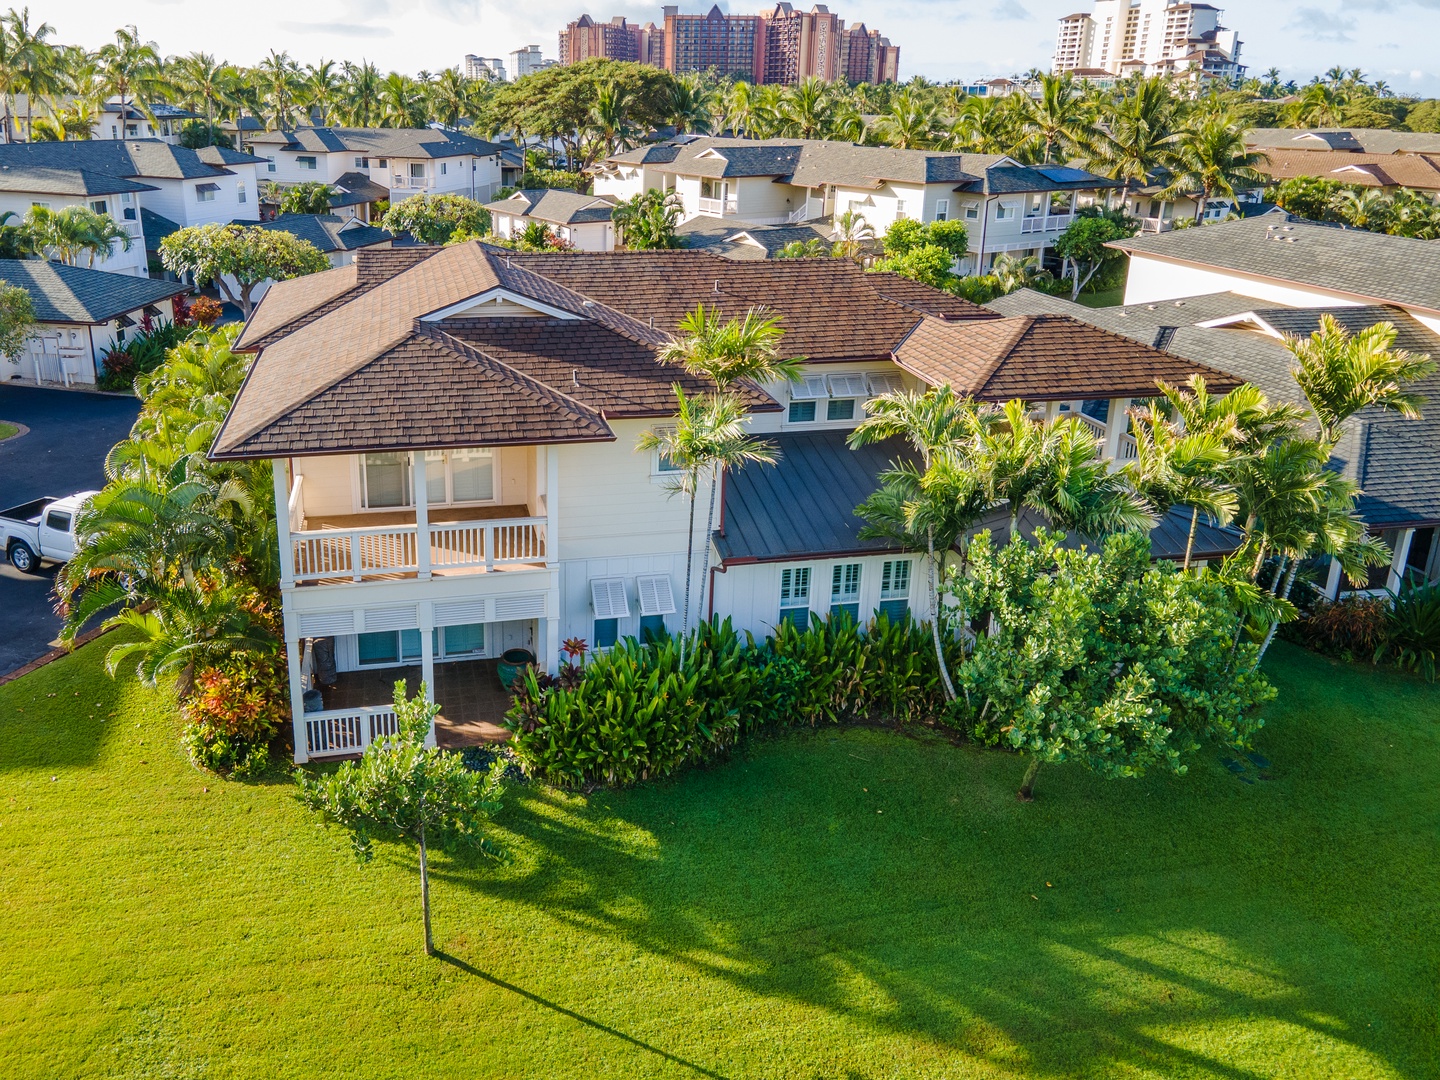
942,39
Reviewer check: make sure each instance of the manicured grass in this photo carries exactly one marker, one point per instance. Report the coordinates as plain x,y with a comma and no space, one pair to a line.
1103,298
8,431
837,904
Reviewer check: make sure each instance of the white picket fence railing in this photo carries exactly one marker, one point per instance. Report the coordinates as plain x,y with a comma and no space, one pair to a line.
462,545
347,731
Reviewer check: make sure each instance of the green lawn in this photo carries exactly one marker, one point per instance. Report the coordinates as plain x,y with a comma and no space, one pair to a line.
769,917
1103,298
8,431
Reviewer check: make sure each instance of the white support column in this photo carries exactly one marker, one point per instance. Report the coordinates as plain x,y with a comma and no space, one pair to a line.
552,507
1332,582
422,515
1397,564
282,521
426,612
294,659
1116,425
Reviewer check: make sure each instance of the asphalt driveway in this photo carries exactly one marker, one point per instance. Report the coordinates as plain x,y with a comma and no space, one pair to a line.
64,452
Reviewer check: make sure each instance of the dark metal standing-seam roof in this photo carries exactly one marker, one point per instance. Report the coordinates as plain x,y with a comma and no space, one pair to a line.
804,505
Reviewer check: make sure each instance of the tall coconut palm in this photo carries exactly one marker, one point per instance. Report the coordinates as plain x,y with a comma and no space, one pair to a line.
130,69
941,500
609,118
807,110
208,84
688,105
402,102
279,82
1140,134
1370,209
1058,121
449,95
1210,158
319,90
910,123
360,101
708,437
39,69
984,126
1341,373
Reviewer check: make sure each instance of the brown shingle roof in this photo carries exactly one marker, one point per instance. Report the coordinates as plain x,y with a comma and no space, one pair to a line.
1042,358
829,309
460,398
286,301
1417,171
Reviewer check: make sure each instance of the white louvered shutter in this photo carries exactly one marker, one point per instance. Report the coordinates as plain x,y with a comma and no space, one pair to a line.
847,386
461,612
391,618
810,388
608,597
526,606
656,595
327,623
884,384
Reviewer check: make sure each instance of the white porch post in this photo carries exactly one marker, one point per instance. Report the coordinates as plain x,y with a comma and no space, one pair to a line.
1116,423
294,659
422,515
281,478
1397,564
1332,582
426,613
551,655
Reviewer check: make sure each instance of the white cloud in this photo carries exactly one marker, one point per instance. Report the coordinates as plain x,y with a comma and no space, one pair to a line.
1317,24
1009,11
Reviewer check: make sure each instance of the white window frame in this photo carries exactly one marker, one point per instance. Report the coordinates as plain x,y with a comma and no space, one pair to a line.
240,191
362,163
609,598
307,163
847,385
841,592
889,572
900,210
972,211
942,209
417,170
204,194
449,500
1007,211
660,465
795,585
809,388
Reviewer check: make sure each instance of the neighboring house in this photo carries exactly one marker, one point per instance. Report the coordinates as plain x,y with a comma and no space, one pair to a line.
453,434
1008,207
82,314
1385,172
403,161
163,122
1349,140
181,186
583,221
741,240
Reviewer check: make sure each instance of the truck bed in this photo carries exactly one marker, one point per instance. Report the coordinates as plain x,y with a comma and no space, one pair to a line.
28,513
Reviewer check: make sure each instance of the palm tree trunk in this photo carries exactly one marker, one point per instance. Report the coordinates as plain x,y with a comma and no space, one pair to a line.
425,894
935,617
709,528
689,566
1027,785
1190,542
1275,623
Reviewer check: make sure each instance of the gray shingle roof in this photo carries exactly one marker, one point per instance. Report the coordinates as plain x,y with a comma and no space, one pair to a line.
155,228
42,181
556,205
1395,461
1359,264
75,294
143,158
717,236
355,188
328,232
379,142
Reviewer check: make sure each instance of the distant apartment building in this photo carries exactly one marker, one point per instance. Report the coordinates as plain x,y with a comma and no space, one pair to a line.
484,67
527,60
783,46
1147,37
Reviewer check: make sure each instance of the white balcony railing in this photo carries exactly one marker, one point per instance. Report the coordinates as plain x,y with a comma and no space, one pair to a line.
392,549
1042,223
719,207
1156,225
1127,451
417,183
347,731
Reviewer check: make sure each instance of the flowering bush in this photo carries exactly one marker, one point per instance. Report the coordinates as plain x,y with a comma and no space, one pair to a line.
234,710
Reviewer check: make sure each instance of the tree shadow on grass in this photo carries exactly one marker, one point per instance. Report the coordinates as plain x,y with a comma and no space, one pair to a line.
1181,908
63,714
579,1018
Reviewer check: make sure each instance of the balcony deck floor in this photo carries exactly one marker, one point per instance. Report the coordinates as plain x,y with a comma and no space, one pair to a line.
472,702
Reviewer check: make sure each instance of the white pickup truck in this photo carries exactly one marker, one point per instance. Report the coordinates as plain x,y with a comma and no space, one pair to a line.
41,530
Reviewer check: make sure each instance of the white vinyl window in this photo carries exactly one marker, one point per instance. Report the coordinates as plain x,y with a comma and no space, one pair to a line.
656,595
942,209
664,465
417,170
99,206
385,480
804,396
270,162
362,163
608,597
460,476
972,211
895,579
795,595
305,162
240,191
1006,211
899,209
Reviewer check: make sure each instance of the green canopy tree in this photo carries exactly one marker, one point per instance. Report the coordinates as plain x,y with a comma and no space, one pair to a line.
17,319
403,790
243,254
1083,248
434,219
307,197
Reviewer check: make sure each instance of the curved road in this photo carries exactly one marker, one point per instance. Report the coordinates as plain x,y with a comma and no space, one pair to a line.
70,434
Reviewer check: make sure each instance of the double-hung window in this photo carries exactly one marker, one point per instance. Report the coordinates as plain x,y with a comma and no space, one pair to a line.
942,209
99,206
895,589
795,596
803,397
305,162
240,191
269,162
899,209
845,590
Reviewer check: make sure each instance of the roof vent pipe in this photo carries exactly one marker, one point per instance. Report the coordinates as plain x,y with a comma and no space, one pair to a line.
575,377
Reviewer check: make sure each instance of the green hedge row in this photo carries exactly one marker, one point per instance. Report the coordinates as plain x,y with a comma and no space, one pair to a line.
633,714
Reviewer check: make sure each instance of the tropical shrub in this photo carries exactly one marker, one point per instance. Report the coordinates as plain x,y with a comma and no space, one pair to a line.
205,311
635,713
1412,629
142,354
1350,628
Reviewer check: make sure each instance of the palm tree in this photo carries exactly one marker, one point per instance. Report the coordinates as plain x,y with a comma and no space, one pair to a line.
609,118
1058,120
985,126
852,235
1370,209
38,63
937,503
131,70
207,83
1077,490
450,97
402,102
279,82
688,105
65,235
807,110
319,90
360,101
1341,373
709,436
1013,271
910,123
1171,469
1211,158
813,248
1140,135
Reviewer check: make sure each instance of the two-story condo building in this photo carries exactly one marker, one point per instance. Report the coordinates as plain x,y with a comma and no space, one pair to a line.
126,178
453,434
402,161
1007,206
